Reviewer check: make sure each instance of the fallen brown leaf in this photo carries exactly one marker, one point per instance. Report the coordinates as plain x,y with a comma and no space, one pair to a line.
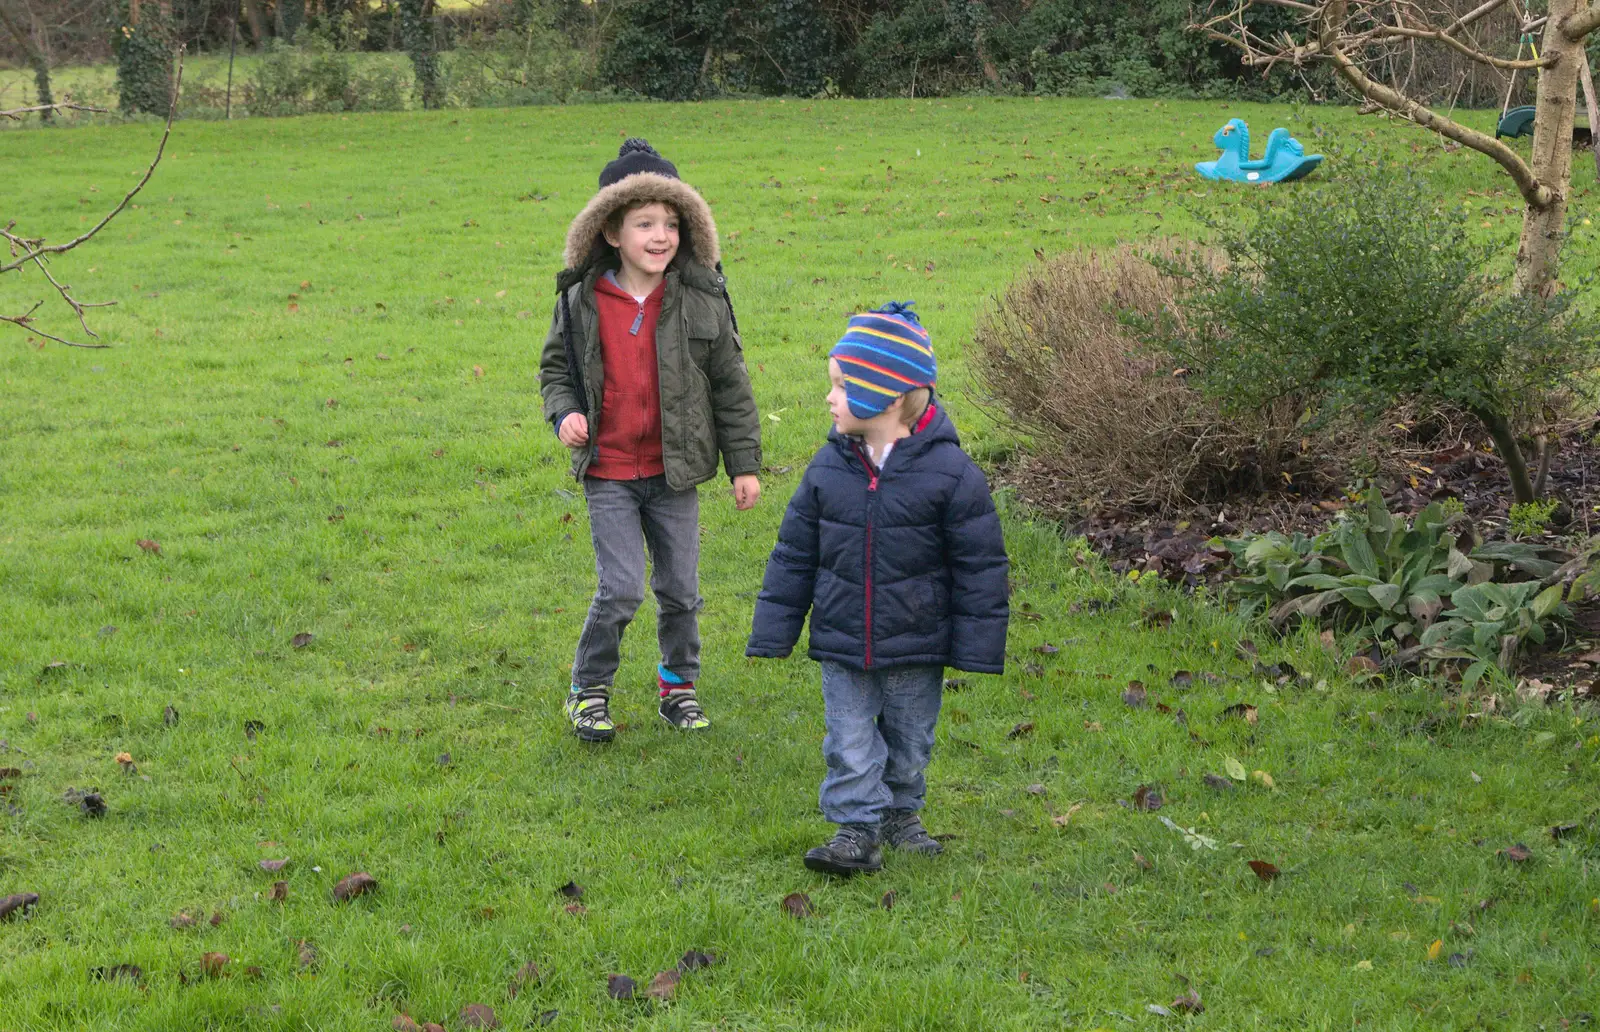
211,964
405,1023
1518,853
182,920
479,1015
1147,797
354,885
1264,870
620,987
576,909
527,974
1243,710
1061,820
663,985
130,972
693,959
217,919
798,904
17,903
1140,862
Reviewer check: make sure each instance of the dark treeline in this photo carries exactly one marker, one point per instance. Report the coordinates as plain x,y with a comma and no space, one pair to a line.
684,49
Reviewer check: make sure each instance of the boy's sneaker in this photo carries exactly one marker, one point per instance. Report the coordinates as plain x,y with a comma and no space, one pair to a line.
903,830
854,849
681,709
589,709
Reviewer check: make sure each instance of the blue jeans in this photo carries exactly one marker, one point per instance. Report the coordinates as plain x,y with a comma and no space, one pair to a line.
626,517
880,735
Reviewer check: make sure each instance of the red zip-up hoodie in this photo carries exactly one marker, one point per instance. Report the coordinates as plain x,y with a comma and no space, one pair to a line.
629,445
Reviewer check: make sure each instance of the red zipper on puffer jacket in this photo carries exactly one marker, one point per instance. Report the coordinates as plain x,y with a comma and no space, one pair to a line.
872,486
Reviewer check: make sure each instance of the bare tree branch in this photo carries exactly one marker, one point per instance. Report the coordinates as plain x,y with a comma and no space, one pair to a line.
15,114
1476,55
1333,15
1473,15
33,250
172,112
1578,26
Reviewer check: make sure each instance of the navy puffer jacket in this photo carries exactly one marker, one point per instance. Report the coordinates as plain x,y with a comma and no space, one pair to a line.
902,567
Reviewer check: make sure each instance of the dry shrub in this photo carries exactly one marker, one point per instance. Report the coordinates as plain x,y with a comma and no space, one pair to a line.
1108,424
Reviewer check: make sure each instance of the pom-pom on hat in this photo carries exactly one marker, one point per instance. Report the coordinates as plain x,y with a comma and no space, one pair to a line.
636,155
883,354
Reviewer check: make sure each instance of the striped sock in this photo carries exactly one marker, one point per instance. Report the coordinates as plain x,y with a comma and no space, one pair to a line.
669,682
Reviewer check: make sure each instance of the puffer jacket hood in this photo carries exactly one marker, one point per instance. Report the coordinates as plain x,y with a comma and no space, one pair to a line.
586,245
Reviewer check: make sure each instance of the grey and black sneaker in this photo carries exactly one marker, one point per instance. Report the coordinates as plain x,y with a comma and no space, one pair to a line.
903,830
589,709
854,849
681,708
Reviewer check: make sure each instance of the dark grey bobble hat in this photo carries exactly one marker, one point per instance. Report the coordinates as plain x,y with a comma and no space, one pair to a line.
635,156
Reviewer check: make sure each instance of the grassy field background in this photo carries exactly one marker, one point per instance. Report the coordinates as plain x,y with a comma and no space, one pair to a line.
321,405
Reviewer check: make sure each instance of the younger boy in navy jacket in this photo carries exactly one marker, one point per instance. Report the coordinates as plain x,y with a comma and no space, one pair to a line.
892,544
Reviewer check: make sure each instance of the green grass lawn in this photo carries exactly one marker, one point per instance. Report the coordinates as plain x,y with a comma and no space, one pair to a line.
321,405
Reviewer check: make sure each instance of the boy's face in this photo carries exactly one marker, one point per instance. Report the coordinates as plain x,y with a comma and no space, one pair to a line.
647,241
844,420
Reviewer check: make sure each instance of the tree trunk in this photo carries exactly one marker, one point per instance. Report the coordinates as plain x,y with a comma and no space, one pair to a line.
1539,250
35,56
252,15
1505,442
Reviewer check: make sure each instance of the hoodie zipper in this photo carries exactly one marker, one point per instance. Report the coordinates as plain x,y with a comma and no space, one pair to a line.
872,490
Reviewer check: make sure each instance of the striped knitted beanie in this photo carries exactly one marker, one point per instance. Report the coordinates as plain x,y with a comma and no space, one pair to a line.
883,354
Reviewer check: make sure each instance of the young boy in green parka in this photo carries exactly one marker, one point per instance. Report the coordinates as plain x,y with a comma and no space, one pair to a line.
644,380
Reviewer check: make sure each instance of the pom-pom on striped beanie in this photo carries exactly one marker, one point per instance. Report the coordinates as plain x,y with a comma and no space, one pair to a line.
883,354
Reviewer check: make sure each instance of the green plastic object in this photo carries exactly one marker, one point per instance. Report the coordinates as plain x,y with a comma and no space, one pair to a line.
1516,122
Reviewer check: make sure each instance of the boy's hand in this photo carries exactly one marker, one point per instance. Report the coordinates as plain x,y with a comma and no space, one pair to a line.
574,432
746,491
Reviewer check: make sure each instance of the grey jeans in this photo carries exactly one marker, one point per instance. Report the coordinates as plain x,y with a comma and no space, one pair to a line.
880,736
625,518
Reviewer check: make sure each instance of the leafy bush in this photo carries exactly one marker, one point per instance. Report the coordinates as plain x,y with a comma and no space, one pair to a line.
1490,622
527,61
144,61
1364,291
1379,575
1107,423
320,75
1530,518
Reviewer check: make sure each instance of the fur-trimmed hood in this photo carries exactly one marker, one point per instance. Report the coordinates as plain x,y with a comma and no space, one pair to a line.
697,229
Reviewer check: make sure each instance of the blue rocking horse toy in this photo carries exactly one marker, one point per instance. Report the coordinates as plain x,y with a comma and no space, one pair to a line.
1284,161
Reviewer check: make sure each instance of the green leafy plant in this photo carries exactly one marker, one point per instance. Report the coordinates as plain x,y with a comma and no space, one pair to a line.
1367,291
1530,518
1489,623
1377,573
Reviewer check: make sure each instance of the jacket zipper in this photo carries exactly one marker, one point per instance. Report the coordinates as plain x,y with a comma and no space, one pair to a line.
872,488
